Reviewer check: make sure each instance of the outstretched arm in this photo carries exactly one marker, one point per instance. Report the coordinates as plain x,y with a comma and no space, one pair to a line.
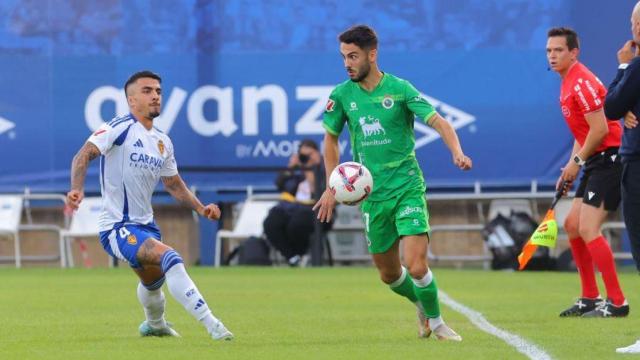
178,189
79,167
450,138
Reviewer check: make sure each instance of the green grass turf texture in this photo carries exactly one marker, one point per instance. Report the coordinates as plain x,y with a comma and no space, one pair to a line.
309,313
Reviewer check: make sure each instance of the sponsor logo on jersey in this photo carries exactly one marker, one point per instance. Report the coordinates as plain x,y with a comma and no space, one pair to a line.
330,105
99,132
353,106
138,143
161,147
131,239
387,102
371,126
565,111
145,161
591,195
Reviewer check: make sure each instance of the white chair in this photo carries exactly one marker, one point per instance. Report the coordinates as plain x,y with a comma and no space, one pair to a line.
10,214
505,206
83,223
248,223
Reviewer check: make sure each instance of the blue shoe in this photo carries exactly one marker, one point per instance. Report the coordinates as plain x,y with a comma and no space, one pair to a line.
147,330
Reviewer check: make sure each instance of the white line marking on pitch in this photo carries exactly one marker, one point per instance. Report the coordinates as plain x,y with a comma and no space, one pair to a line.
523,346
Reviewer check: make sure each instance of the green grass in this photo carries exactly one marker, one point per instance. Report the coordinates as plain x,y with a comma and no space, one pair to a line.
277,313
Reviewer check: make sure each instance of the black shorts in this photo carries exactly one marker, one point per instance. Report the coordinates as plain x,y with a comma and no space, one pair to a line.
600,180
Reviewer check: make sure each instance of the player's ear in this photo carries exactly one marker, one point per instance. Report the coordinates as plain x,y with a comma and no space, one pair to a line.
372,55
575,52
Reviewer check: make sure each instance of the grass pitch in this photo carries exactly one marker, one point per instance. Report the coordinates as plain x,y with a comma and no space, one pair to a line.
277,313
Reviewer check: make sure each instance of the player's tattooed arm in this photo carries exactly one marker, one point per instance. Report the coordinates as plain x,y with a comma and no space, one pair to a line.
80,164
178,189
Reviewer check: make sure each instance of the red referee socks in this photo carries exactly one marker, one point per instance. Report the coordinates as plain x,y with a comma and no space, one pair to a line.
584,263
603,257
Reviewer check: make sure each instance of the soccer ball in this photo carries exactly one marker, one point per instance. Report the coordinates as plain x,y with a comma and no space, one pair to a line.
350,183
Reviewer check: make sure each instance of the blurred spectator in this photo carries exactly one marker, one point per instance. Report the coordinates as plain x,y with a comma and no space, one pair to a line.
291,222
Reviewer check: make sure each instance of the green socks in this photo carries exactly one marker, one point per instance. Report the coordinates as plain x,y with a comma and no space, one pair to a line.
423,291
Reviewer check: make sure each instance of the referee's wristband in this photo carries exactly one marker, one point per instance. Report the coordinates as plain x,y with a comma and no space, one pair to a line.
623,66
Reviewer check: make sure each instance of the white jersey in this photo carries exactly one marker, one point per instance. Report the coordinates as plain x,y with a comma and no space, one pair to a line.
133,160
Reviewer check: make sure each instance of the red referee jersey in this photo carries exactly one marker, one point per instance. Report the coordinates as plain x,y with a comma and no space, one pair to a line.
582,93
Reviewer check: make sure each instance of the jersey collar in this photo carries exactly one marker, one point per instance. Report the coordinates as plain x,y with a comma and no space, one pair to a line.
382,79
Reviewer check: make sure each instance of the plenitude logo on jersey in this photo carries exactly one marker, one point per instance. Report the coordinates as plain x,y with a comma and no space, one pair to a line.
371,126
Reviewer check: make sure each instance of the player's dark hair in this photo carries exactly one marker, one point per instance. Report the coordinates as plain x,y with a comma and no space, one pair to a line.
361,35
139,75
569,34
309,143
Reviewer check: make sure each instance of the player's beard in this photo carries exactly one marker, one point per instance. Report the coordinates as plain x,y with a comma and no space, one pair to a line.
154,113
363,72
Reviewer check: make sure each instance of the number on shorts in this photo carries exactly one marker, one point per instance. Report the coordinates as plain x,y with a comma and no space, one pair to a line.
124,232
366,221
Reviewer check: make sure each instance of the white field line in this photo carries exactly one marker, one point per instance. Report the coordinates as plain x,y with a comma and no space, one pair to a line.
523,346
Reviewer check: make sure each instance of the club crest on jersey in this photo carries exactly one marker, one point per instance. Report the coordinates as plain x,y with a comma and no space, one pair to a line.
161,147
387,102
330,105
131,239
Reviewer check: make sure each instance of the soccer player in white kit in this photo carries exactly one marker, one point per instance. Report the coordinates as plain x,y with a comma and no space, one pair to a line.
134,155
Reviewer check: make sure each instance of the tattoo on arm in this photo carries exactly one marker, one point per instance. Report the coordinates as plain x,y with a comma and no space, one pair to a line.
80,163
178,189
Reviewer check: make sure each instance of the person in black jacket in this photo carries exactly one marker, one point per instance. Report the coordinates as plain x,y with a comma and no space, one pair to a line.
623,100
290,224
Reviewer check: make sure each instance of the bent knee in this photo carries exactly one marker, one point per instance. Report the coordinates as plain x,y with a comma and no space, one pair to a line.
418,271
151,252
572,227
388,276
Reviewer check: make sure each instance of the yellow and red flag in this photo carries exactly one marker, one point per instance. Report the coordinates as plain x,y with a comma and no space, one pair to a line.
545,235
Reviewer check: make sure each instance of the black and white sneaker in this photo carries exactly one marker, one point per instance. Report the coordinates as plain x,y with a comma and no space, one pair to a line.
582,306
609,310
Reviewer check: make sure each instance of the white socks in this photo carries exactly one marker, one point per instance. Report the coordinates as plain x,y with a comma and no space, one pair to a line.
186,293
425,281
153,303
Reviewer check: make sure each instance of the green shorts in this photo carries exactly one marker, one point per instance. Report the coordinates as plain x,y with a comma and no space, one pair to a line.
385,221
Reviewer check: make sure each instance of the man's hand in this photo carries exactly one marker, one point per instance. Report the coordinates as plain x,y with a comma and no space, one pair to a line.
325,206
294,160
627,52
569,173
211,212
630,120
567,185
462,161
74,198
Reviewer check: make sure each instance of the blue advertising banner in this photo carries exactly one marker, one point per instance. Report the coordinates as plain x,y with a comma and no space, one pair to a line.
245,81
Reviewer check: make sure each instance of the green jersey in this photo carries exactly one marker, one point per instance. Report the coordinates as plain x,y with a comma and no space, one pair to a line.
381,130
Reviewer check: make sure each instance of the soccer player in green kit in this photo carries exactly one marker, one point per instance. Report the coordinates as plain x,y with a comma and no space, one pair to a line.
379,110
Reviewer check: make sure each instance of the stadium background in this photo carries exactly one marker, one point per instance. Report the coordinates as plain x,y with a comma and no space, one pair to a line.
245,80
483,58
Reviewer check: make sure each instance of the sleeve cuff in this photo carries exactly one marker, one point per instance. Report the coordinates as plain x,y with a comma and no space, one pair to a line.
330,130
